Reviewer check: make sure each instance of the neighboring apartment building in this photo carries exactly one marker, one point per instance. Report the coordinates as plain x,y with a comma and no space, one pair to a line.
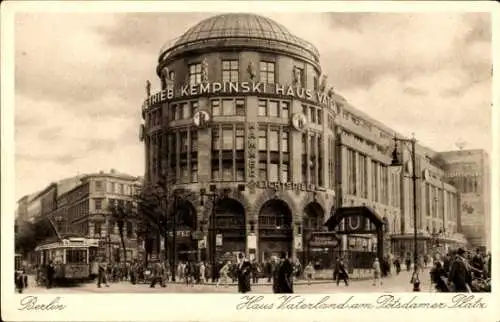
84,210
79,205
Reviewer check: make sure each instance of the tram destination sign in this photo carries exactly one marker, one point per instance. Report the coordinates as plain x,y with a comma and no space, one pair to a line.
218,88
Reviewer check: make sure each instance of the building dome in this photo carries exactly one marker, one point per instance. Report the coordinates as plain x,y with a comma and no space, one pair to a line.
239,29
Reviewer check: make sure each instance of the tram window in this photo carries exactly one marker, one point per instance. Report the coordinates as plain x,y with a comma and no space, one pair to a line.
76,256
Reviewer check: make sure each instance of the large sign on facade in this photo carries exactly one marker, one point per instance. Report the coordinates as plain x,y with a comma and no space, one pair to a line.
357,224
216,88
324,239
286,186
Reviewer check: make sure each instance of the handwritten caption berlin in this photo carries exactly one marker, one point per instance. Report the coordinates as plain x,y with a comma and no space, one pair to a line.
297,302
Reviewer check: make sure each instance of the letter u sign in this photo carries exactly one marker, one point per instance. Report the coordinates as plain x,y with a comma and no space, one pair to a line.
354,222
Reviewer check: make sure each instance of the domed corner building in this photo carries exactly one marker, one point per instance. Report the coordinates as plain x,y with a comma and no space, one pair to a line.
244,130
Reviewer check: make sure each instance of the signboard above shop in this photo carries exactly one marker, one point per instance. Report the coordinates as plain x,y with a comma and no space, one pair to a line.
324,239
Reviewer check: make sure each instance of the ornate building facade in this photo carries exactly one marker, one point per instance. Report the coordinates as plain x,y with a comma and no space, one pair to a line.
246,114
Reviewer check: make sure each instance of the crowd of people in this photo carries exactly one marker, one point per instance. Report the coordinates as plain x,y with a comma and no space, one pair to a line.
242,271
457,271
462,271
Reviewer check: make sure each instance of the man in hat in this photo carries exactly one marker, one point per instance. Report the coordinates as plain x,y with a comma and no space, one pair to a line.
460,274
243,272
284,276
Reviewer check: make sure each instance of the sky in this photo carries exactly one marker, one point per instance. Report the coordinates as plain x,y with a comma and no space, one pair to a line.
80,79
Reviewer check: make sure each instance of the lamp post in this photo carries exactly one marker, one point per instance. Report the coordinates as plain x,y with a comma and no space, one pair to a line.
212,224
397,162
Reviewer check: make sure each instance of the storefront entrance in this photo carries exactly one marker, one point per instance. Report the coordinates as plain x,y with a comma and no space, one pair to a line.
186,247
313,221
275,229
353,221
230,222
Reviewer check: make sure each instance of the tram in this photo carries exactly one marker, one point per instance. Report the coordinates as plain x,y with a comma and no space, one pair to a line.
72,257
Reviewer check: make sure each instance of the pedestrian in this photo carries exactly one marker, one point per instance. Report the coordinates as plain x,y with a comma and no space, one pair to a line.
438,275
101,275
50,274
309,272
408,263
243,274
377,278
158,275
460,277
19,281
224,271
202,273
478,264
255,271
283,276
397,264
342,273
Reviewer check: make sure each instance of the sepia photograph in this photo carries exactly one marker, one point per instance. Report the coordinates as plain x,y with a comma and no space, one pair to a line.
242,152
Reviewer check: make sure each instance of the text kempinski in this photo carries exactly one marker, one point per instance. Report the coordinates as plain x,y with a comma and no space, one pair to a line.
237,88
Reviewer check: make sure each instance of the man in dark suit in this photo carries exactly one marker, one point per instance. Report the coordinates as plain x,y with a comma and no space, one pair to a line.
243,273
460,274
284,276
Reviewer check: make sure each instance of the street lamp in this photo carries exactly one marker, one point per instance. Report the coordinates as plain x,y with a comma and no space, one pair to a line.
396,162
213,195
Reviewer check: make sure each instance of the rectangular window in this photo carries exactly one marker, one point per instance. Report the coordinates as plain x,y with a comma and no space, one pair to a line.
305,111
184,173
184,142
227,171
267,72
273,108
240,107
194,172
97,228
194,107
172,112
375,182
215,174
194,74
301,78
320,116
227,139
284,141
240,171
284,110
262,140
273,172
215,107
262,108
263,171
240,139
186,110
194,141
230,70
99,187
312,114
273,140
98,204
228,107
284,173
121,188
351,163
215,139
363,178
